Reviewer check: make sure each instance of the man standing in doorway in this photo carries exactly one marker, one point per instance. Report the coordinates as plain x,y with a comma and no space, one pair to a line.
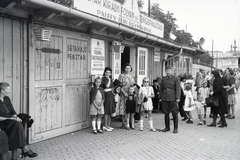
169,94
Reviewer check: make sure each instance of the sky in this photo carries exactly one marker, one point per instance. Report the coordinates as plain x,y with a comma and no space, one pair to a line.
217,21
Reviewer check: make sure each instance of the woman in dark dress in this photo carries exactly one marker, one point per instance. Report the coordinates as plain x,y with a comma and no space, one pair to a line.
217,92
10,122
109,103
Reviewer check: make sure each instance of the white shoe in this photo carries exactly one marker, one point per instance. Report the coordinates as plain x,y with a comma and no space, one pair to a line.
153,129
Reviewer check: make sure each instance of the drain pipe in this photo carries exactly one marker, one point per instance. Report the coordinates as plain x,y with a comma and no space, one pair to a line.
66,10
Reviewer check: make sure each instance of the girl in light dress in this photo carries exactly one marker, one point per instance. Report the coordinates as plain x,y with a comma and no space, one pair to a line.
96,109
189,104
146,92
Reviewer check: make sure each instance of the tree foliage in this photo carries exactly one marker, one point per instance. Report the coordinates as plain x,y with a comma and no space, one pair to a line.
204,58
170,25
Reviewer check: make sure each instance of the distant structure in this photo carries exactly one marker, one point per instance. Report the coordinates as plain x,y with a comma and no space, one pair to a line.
227,59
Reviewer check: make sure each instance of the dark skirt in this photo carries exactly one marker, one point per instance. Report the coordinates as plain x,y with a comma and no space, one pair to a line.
15,133
109,103
3,142
222,108
130,106
15,130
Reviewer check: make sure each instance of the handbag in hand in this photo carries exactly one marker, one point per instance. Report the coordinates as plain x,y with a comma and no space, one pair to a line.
145,99
212,101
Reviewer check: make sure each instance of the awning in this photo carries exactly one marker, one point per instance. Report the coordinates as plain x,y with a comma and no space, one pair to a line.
44,10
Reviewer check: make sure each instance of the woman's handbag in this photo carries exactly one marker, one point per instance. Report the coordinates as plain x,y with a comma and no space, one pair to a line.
212,101
145,99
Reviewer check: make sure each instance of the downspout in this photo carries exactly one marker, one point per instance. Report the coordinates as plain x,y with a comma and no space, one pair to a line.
66,10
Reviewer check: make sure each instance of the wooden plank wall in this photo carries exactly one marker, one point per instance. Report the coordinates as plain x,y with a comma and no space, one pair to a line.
13,60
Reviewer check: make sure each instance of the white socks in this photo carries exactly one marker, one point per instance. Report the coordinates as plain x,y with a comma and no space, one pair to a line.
98,125
141,123
94,125
151,123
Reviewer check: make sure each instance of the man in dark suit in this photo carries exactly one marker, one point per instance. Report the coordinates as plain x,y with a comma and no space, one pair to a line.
169,95
155,100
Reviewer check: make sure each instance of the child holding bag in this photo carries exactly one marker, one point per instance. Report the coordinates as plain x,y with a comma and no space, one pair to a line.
146,94
97,98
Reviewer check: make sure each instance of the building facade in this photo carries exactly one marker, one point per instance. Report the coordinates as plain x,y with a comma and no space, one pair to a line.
51,51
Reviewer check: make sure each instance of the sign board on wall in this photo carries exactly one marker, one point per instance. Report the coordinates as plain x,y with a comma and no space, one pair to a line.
125,12
98,56
156,54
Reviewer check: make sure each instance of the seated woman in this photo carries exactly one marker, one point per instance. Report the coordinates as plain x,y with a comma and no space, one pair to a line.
4,145
11,124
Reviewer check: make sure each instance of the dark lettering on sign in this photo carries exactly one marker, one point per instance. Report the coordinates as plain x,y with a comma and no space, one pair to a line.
73,48
76,57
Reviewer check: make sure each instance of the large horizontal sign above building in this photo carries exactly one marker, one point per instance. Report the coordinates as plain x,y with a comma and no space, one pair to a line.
125,12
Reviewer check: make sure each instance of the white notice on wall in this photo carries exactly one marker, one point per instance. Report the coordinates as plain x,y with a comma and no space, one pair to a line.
98,57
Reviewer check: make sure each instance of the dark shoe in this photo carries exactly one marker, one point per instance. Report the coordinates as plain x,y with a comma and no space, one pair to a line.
189,121
204,122
227,116
99,131
185,118
30,154
223,125
165,130
200,123
175,130
211,125
95,131
231,117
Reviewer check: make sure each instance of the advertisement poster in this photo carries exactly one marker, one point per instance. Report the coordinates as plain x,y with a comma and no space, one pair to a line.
156,54
98,57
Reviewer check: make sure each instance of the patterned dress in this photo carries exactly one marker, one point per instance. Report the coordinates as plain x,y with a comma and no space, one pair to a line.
126,81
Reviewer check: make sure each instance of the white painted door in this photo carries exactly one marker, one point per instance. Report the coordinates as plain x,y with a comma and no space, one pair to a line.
141,64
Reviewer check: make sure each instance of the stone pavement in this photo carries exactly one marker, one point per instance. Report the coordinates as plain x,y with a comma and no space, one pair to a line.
192,142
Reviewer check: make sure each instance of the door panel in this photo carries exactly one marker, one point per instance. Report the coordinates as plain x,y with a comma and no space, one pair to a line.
59,85
141,64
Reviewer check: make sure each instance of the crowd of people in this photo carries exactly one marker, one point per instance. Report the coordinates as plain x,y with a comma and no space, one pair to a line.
131,102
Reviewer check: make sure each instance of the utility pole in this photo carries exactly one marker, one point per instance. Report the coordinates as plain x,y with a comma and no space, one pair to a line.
212,56
149,3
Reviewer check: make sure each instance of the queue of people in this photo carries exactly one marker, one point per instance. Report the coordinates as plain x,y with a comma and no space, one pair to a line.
173,93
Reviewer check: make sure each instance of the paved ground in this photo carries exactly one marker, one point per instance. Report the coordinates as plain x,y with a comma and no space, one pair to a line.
193,142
